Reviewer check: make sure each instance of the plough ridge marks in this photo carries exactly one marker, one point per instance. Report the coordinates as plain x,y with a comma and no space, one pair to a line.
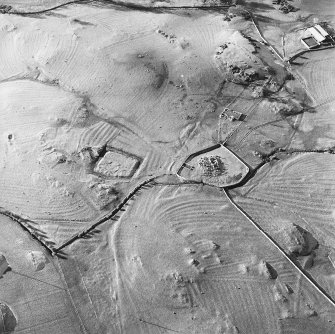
132,256
302,272
265,211
176,208
319,77
109,216
96,126
61,202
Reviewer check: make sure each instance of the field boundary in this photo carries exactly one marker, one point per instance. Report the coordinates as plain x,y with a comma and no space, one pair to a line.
109,216
297,55
14,12
130,5
26,225
193,155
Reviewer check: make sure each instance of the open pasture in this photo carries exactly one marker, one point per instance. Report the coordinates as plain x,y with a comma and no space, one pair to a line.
302,184
191,257
102,107
38,299
317,74
278,221
48,160
265,128
316,71
68,96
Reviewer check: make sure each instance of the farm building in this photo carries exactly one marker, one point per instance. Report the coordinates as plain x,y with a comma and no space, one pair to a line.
232,115
322,31
8,321
316,36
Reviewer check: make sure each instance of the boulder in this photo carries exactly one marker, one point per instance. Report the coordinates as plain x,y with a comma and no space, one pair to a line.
4,266
37,259
299,241
7,319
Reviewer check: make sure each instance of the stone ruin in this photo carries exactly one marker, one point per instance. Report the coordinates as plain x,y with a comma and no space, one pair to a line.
212,166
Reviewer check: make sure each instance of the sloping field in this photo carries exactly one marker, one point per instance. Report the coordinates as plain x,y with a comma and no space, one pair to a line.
148,65
28,109
279,29
302,185
99,103
265,128
90,277
318,74
317,126
44,132
134,81
38,299
185,257
325,7
316,130
292,326
68,96
278,221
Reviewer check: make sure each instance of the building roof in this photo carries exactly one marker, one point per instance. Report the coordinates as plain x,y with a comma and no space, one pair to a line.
232,114
316,34
321,30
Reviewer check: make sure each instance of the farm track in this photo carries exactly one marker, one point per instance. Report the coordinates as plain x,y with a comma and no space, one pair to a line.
240,142
272,48
133,6
59,269
227,106
249,115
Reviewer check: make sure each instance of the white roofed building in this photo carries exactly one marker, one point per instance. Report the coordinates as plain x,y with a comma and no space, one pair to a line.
316,35
322,31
